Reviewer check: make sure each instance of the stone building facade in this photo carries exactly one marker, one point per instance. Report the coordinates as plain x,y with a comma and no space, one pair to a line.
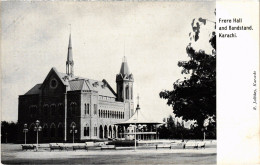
67,105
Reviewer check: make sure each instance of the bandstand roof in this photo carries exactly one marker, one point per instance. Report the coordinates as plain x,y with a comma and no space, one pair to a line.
138,118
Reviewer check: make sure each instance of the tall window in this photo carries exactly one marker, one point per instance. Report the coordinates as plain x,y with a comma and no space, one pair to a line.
86,131
53,107
95,109
60,109
127,92
45,131
73,107
53,130
60,131
99,113
45,110
88,109
95,131
131,93
85,109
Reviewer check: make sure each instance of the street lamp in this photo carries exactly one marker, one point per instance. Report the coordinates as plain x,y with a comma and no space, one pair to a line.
37,128
25,130
73,131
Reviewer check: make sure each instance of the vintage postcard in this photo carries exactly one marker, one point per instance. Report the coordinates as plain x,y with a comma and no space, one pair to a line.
125,82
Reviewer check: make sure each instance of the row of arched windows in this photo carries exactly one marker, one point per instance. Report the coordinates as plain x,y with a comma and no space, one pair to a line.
51,131
53,110
110,114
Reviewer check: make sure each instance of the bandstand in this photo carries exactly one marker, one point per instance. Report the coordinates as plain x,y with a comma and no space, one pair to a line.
146,129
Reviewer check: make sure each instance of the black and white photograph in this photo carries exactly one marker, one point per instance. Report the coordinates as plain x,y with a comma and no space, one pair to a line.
116,82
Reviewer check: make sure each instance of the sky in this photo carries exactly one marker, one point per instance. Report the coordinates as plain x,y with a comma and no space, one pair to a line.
152,35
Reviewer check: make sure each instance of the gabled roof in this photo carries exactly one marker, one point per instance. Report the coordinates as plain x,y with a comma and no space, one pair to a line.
76,83
34,90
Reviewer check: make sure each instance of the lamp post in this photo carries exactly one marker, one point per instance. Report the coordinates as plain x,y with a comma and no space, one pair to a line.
25,130
37,128
73,131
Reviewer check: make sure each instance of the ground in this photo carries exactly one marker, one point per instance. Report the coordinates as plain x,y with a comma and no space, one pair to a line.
13,154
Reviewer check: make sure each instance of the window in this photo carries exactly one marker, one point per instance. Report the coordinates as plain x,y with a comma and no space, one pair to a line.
131,92
60,131
95,131
99,113
60,108
45,131
86,131
127,92
95,109
53,131
85,109
53,107
45,110
88,109
73,107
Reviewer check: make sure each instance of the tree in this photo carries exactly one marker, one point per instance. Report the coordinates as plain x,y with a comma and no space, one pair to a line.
8,132
194,98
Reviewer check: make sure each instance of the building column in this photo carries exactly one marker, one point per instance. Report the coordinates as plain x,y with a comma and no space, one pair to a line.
65,117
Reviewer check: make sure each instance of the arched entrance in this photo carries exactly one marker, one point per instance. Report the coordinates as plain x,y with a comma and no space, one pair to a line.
114,132
101,131
110,132
105,132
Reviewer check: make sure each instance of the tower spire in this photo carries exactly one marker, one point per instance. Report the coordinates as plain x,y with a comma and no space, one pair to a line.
69,62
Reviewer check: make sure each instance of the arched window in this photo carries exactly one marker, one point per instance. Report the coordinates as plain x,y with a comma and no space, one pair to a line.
86,130
131,93
53,130
60,130
53,108
73,107
88,109
127,92
85,109
95,109
45,109
60,109
45,130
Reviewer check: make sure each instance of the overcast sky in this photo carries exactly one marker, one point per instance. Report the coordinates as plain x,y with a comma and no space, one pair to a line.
153,37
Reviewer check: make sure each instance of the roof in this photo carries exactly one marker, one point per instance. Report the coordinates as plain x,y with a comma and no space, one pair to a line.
88,84
34,90
138,118
76,83
124,70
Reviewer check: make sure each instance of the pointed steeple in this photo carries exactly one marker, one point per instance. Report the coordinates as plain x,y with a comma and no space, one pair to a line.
69,63
124,67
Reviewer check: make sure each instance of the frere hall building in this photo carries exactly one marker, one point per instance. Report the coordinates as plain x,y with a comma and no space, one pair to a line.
66,104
